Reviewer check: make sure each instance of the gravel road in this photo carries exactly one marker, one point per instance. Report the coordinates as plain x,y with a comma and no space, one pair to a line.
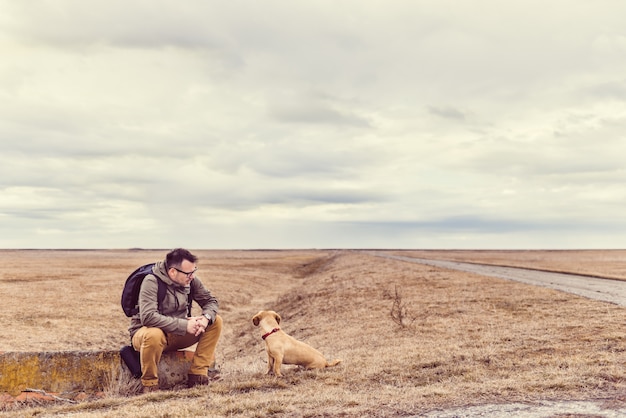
607,290
612,291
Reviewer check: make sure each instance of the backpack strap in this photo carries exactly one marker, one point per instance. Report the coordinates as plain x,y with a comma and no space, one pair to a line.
189,300
162,289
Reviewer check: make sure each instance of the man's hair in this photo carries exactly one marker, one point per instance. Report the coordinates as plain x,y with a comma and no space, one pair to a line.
176,257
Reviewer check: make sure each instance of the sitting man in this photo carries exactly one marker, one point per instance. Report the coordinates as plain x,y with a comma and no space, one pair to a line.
165,326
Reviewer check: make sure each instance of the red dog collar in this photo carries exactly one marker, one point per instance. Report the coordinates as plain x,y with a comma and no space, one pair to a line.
270,333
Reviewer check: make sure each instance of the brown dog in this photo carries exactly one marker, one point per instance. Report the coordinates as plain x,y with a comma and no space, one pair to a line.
284,349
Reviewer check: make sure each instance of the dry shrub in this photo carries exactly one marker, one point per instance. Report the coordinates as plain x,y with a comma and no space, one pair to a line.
400,311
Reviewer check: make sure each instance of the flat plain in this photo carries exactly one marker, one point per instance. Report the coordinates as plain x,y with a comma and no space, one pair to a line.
413,338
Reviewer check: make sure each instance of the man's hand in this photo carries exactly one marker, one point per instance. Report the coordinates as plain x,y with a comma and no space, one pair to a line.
196,325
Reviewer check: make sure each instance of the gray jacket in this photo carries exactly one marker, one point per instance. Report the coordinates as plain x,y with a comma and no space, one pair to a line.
172,317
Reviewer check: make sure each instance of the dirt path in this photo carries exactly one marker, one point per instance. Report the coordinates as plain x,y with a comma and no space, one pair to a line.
607,290
545,409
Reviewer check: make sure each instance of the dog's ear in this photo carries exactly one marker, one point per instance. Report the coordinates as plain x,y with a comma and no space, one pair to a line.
277,318
256,319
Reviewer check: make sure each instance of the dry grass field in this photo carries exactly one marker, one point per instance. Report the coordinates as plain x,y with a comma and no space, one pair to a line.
457,340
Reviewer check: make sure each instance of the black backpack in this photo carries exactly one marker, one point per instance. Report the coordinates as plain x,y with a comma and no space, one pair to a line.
130,294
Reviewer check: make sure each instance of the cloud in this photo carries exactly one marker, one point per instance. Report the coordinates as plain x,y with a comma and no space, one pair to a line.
447,112
316,115
311,124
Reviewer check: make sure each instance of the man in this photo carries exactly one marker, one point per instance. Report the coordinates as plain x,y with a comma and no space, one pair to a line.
166,327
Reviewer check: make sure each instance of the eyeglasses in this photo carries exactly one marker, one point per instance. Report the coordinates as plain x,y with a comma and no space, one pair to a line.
185,273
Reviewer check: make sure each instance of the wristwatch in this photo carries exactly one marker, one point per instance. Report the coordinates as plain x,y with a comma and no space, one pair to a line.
207,316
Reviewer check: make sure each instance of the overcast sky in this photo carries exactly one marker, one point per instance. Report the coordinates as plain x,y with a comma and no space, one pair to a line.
313,124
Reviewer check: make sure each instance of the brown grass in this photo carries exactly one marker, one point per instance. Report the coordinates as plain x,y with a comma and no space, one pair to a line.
470,339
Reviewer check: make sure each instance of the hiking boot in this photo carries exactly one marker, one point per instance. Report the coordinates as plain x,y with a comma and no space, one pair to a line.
150,389
214,374
197,379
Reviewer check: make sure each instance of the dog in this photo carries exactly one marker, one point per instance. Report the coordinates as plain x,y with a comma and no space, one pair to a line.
284,349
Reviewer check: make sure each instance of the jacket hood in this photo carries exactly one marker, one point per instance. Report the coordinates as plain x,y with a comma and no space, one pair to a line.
160,271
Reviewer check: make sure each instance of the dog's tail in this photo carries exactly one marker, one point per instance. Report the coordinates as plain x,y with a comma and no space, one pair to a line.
332,363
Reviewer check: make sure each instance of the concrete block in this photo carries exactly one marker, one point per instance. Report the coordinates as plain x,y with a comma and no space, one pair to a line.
78,371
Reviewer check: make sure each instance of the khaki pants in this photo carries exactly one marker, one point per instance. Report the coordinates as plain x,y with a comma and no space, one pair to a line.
152,342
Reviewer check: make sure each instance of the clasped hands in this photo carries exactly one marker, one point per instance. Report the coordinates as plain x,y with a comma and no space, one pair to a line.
196,325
